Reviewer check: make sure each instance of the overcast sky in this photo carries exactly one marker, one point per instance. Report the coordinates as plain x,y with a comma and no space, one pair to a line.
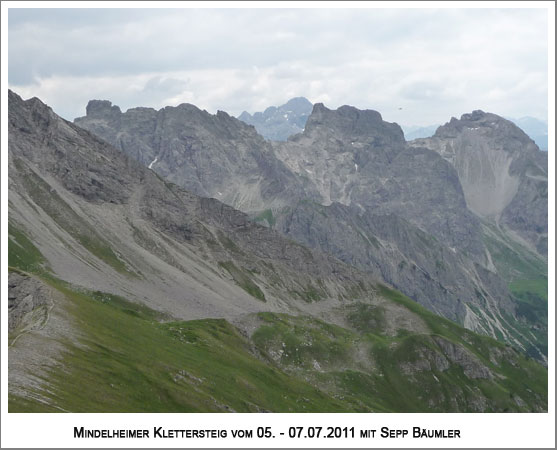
432,63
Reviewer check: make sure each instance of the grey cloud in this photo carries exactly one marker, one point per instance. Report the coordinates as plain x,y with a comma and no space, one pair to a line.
236,59
166,86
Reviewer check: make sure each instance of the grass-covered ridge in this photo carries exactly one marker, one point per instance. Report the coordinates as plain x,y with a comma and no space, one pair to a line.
128,360
131,362
408,372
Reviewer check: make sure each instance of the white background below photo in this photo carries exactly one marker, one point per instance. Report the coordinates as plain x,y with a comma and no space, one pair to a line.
476,430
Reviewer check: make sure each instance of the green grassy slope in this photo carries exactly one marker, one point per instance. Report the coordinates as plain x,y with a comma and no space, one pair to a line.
130,362
129,358
404,372
526,275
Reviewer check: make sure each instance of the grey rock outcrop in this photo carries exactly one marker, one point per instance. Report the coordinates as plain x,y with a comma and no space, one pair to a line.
470,364
25,294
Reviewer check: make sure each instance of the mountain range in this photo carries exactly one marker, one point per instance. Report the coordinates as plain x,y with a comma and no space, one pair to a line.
351,186
279,123
175,260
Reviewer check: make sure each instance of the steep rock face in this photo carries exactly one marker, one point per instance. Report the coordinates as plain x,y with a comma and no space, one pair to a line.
430,272
501,170
100,218
278,123
84,171
355,158
347,156
211,155
527,213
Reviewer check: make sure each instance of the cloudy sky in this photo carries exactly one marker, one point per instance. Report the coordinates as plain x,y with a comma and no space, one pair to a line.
415,66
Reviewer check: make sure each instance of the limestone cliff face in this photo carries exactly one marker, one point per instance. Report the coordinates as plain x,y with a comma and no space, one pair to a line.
355,158
432,273
502,172
211,155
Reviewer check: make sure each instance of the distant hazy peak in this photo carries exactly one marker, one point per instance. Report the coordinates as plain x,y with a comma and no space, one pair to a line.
244,116
277,123
298,104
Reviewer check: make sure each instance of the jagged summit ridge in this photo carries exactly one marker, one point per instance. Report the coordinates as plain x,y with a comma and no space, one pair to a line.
212,155
357,159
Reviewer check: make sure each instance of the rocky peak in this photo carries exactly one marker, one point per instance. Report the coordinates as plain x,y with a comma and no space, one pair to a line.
141,109
299,105
502,171
477,114
101,108
353,123
186,107
223,114
270,110
34,104
29,114
245,116
489,126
